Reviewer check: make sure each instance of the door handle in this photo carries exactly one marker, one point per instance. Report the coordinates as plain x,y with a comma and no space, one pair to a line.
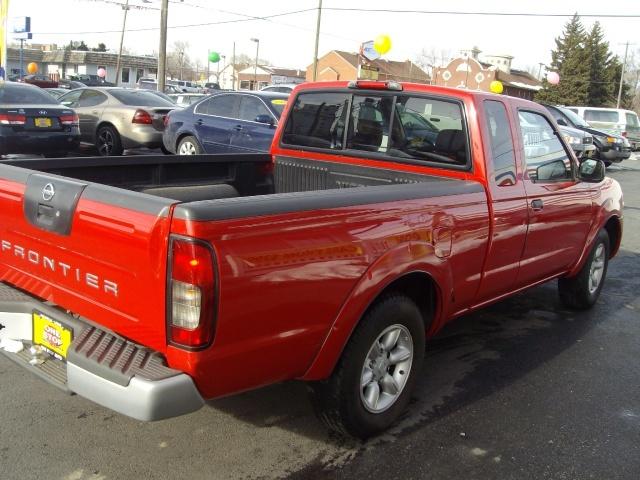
537,204
199,122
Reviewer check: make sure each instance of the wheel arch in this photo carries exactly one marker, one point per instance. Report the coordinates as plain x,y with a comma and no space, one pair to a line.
104,123
406,279
614,229
182,135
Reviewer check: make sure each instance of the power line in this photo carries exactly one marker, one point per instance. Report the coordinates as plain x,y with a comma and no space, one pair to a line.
498,14
193,25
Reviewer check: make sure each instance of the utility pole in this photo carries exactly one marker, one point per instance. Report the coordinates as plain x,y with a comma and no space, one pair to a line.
315,52
233,68
124,25
540,65
162,50
624,65
255,66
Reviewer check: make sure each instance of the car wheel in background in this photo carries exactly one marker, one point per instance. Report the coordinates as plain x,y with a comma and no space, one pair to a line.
189,146
108,141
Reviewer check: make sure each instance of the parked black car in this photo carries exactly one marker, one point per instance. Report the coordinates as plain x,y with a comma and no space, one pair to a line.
91,80
31,121
609,148
69,84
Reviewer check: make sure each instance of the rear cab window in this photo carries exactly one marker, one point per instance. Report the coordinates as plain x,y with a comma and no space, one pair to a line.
402,127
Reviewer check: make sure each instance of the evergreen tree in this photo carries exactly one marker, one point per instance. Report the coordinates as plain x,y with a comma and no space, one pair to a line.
600,69
570,60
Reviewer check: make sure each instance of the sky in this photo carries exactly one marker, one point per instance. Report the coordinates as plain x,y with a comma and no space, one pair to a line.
288,40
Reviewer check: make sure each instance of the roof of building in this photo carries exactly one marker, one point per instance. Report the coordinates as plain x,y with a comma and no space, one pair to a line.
81,57
404,71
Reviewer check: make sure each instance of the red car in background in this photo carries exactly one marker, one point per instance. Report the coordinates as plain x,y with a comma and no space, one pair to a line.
42,81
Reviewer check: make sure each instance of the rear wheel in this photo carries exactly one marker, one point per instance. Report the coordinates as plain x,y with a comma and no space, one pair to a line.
108,141
582,291
189,146
372,383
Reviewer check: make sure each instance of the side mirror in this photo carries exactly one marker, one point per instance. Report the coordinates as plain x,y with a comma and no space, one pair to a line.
555,170
591,171
561,121
264,118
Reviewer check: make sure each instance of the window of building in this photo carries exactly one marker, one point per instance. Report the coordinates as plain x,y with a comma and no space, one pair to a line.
502,153
124,77
545,157
139,74
245,85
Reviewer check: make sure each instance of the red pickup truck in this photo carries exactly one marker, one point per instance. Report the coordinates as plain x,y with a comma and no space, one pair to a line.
383,211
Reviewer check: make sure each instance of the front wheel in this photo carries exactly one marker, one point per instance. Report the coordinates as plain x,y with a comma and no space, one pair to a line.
372,383
582,291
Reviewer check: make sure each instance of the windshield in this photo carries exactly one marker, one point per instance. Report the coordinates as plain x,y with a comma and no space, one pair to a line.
24,95
574,117
140,98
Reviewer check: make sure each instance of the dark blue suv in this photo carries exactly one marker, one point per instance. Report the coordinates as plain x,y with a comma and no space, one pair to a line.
227,122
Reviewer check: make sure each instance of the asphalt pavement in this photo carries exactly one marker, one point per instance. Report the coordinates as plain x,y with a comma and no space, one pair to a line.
524,389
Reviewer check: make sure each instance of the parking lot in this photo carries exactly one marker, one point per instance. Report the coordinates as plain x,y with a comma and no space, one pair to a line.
523,389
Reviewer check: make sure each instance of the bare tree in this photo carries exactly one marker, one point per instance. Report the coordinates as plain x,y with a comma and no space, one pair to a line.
178,61
429,59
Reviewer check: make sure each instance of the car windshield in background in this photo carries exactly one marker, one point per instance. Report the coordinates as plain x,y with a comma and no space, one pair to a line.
278,105
140,98
22,95
574,117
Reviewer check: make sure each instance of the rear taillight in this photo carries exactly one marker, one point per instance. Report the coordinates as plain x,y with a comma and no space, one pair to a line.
143,117
69,119
12,119
192,293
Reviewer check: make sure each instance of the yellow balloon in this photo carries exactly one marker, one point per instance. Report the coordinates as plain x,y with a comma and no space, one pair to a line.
496,86
32,68
382,44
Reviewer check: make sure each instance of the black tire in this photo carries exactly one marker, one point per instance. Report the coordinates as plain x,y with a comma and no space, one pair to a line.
339,401
165,150
578,292
193,149
108,142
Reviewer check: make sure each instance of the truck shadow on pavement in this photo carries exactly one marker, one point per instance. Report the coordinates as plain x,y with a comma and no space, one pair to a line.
471,358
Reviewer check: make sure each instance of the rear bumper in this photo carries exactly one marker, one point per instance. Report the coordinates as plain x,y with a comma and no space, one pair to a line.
141,136
37,142
100,366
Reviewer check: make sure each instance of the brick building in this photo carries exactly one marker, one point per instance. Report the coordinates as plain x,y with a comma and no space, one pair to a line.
339,65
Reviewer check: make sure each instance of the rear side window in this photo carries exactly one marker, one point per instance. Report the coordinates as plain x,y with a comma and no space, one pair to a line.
91,98
502,153
317,120
545,157
601,116
220,105
632,119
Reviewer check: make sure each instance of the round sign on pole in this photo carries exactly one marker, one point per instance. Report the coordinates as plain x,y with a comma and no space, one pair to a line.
214,57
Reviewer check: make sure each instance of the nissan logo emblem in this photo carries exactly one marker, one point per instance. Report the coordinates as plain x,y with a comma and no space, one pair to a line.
48,192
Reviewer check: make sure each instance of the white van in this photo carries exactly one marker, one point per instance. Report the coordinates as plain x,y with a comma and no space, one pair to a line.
613,120
184,86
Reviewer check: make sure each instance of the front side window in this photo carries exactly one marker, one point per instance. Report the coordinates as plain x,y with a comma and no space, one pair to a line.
250,108
317,120
502,152
632,119
545,157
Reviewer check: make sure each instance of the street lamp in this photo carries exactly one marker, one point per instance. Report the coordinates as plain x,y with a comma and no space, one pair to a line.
255,67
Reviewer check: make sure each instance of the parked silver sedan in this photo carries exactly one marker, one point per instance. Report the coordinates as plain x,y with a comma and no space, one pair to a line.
114,119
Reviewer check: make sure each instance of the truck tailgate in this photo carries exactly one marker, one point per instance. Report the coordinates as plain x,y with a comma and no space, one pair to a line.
98,251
